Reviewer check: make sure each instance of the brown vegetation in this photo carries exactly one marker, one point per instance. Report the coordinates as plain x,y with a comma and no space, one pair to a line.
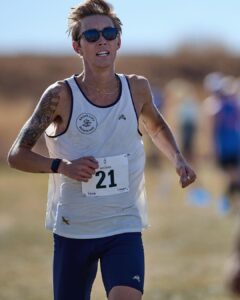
27,76
24,78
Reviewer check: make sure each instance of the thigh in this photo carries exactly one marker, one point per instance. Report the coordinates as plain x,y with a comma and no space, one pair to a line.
124,293
74,270
122,263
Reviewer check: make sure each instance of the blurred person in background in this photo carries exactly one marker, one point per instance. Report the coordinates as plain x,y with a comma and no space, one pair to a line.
224,109
153,155
188,124
158,97
96,200
236,88
182,110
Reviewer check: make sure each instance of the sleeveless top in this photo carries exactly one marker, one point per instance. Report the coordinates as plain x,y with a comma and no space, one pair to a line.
114,201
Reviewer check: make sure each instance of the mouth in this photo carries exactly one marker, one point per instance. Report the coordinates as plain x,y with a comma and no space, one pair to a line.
102,53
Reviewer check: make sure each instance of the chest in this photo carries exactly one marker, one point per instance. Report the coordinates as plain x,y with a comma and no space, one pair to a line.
94,124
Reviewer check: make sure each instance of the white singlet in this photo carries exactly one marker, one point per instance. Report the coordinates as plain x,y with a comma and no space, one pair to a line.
114,200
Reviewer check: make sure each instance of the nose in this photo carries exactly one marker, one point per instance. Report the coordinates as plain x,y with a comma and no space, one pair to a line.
101,40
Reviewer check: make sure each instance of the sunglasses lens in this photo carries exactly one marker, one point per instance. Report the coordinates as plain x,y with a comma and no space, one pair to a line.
91,35
110,33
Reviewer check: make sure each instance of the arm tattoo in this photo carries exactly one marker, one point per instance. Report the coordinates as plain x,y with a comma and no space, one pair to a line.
40,119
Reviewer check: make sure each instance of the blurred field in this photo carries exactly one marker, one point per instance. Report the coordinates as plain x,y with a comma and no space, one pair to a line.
186,246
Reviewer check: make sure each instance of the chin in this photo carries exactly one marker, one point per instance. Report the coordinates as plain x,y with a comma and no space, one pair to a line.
106,64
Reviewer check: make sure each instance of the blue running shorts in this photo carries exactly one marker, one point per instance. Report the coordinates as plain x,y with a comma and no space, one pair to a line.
75,264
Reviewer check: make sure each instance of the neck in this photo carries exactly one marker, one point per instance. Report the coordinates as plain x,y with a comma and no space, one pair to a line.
103,81
99,78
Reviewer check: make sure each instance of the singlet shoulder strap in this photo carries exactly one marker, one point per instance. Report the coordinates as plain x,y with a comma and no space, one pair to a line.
127,88
71,81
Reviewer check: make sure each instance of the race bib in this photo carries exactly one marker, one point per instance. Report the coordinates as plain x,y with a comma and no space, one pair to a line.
111,177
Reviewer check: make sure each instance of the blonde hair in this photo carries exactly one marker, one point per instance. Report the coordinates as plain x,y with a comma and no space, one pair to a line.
89,8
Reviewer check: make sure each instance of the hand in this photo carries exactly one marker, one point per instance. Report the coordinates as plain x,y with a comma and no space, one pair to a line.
186,173
81,169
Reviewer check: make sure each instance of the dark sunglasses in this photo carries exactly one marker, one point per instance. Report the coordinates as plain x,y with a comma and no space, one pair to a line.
93,35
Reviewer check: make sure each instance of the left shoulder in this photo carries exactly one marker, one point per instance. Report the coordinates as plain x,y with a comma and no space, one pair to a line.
138,82
140,90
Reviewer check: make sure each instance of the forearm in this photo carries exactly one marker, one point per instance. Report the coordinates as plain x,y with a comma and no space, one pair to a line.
164,140
26,160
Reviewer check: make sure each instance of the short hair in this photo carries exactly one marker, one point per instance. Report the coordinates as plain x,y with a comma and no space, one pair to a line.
89,8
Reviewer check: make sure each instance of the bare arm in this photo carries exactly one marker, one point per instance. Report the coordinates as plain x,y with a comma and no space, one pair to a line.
159,131
21,155
23,158
161,134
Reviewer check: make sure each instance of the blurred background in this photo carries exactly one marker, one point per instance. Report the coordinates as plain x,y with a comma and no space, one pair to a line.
190,53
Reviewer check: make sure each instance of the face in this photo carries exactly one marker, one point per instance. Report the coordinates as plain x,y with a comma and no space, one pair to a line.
101,53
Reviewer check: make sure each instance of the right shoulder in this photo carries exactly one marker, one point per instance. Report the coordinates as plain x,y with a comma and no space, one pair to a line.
57,90
56,98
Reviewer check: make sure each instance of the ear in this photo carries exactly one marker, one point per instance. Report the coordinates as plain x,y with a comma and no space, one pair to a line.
119,42
77,48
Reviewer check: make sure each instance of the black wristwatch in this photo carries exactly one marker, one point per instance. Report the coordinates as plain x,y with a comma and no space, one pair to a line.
55,165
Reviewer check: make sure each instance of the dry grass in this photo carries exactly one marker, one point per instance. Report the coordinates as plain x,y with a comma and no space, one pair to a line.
186,247
12,116
29,75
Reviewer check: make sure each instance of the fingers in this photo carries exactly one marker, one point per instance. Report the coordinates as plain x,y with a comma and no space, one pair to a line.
91,162
81,169
187,176
86,168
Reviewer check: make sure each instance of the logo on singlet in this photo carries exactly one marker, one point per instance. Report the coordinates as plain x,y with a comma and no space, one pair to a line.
86,123
65,221
122,117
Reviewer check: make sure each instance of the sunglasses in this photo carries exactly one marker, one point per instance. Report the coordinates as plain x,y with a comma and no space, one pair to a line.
93,35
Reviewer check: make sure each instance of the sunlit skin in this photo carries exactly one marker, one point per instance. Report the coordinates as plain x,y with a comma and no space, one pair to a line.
98,70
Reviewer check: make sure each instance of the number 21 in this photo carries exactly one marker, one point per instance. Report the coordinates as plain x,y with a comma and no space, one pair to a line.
100,184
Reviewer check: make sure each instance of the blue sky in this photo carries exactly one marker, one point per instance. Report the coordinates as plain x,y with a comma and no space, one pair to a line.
155,26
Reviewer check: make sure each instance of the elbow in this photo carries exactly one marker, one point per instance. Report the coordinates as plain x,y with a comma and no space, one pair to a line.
156,133
17,158
11,159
